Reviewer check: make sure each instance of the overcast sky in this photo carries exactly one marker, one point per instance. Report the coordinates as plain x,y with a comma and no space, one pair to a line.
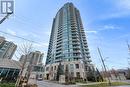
106,22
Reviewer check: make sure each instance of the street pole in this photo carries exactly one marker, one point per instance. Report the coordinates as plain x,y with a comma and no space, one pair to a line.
128,51
128,58
104,66
128,46
3,19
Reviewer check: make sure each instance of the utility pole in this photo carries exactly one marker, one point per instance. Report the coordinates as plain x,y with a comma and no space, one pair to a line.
128,46
128,59
3,19
128,51
104,66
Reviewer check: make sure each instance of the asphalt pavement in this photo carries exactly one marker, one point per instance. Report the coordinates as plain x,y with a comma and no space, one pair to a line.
45,83
50,84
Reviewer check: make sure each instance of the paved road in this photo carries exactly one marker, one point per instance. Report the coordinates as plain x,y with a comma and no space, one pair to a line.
120,86
50,84
128,81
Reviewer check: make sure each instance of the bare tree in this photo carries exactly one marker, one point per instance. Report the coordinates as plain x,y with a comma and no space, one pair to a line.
23,49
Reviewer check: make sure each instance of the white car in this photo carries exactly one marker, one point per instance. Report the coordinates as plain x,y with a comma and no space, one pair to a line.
40,79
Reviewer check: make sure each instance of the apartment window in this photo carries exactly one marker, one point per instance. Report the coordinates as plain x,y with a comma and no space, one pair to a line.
62,66
72,74
78,74
71,67
75,59
47,68
55,68
77,66
76,54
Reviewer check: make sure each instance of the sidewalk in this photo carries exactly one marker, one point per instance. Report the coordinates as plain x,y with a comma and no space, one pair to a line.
90,83
51,81
93,83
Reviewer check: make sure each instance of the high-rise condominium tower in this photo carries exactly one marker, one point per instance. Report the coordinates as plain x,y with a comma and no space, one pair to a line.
68,43
7,48
32,63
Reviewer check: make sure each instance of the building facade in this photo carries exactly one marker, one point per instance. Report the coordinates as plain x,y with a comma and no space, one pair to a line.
33,58
9,70
32,64
68,44
7,49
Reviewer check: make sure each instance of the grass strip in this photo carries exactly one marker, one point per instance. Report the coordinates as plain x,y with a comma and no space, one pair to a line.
7,85
106,84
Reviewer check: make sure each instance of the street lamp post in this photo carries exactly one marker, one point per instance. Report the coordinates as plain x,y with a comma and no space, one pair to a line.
104,66
3,19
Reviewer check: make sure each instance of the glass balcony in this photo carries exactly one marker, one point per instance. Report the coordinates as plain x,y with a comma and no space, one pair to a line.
88,57
58,44
59,41
77,44
58,55
75,36
75,39
77,51
89,60
59,48
76,47
87,52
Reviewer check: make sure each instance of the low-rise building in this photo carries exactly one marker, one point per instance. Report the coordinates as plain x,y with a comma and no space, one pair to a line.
33,66
9,70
